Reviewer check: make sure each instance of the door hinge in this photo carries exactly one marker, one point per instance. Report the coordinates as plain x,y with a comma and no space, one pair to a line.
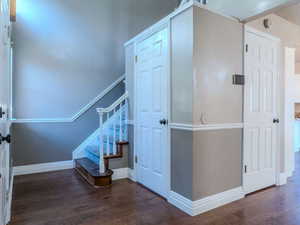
136,159
247,47
136,59
2,112
245,169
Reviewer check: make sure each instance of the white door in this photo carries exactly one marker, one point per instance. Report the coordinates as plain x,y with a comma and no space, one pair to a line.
5,159
151,110
260,110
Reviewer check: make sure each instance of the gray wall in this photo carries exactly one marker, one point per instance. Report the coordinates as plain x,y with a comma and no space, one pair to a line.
182,162
50,142
66,52
129,68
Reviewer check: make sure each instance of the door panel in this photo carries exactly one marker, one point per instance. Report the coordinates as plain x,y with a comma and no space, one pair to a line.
151,88
260,108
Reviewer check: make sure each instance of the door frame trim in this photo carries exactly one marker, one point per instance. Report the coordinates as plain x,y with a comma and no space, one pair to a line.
166,24
278,164
288,146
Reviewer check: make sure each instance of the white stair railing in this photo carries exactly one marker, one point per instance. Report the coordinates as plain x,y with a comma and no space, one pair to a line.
115,116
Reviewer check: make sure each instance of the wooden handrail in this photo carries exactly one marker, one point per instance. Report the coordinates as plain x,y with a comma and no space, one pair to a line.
114,105
13,10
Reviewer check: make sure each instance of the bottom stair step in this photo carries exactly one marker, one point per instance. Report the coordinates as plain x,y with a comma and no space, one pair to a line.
90,172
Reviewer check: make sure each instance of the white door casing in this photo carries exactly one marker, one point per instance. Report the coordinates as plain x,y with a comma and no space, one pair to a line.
260,110
6,178
291,96
151,108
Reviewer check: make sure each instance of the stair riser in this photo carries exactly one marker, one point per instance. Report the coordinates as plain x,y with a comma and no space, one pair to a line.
102,181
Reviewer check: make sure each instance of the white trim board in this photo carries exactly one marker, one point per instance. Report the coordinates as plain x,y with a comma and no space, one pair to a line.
282,180
194,208
43,167
191,127
121,173
78,114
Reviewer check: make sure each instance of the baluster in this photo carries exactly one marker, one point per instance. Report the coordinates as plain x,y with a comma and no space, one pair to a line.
108,136
101,147
126,120
115,133
120,118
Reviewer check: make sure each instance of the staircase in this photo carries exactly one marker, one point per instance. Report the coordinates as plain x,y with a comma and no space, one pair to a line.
107,144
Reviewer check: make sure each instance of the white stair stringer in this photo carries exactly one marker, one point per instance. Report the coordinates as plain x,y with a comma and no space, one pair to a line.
79,151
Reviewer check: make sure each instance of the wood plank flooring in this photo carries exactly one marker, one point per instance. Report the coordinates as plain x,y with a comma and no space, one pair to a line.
63,198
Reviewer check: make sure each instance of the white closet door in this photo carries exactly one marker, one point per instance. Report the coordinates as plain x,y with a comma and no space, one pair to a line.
151,105
260,111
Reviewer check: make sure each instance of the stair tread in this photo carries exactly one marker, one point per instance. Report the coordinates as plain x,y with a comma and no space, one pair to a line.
91,167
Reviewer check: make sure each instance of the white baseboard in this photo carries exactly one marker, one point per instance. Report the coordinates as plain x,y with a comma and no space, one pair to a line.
194,208
282,179
121,173
290,173
131,175
43,167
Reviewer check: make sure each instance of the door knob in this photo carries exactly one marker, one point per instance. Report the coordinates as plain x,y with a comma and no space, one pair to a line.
163,122
7,139
275,120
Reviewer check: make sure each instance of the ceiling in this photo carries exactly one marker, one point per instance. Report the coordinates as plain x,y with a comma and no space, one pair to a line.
244,9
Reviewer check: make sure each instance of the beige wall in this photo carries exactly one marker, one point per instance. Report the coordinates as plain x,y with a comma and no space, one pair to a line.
203,61
288,32
182,43
290,13
218,54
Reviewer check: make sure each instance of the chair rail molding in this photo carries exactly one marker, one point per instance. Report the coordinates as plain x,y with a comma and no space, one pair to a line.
78,114
200,127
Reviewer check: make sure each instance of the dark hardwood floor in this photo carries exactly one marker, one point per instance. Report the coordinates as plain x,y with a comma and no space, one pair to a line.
63,198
